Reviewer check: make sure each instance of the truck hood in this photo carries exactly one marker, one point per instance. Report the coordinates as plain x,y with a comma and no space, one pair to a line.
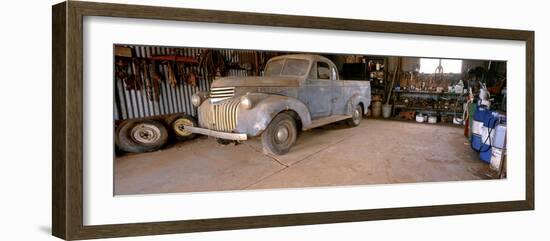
255,81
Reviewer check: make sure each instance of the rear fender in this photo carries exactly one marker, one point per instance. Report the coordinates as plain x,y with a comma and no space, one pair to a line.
356,99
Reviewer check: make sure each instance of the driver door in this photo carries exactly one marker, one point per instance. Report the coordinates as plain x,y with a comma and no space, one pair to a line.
317,91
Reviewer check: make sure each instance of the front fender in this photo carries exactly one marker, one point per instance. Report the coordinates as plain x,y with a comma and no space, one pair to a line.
356,99
254,121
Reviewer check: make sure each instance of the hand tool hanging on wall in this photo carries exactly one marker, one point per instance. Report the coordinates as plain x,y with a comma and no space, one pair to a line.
186,74
150,76
181,73
120,70
171,74
178,68
121,73
154,91
213,62
192,78
138,78
144,74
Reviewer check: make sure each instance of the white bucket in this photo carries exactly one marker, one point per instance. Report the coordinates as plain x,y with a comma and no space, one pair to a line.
419,118
432,119
386,111
496,158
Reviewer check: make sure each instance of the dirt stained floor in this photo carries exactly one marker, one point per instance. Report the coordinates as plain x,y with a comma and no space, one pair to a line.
376,152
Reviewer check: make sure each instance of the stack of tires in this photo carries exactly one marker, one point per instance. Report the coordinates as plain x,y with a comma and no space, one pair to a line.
151,134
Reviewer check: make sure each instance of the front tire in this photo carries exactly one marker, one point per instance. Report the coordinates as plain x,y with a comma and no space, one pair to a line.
356,116
223,141
280,134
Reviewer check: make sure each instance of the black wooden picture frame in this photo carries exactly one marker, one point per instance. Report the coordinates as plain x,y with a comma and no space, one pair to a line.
67,152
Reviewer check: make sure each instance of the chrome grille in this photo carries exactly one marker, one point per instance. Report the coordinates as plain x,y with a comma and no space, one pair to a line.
221,93
220,116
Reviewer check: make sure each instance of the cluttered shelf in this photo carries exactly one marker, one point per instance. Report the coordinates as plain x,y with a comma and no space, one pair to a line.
426,92
400,119
434,106
424,109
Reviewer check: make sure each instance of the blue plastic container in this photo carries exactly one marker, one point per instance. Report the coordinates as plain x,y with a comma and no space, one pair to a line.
492,119
480,113
486,153
480,116
476,142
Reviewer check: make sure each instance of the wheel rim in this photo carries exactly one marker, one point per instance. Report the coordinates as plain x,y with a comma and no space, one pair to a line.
179,126
282,134
357,115
145,133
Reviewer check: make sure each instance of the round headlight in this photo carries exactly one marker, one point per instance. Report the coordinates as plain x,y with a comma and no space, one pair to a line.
196,100
246,102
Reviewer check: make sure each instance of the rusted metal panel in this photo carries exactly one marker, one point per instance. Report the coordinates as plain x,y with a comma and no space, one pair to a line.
123,51
134,103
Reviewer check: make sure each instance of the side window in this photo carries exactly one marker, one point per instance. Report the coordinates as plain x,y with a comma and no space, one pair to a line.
323,71
313,71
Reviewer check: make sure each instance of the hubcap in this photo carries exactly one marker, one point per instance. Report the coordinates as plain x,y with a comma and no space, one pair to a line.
145,133
282,134
356,115
179,126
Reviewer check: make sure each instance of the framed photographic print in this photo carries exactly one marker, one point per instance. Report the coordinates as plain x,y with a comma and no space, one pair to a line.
171,120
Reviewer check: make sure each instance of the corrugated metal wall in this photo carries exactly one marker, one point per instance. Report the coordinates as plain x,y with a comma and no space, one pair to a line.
131,103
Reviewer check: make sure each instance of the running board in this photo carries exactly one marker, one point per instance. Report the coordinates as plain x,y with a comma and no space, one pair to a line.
325,120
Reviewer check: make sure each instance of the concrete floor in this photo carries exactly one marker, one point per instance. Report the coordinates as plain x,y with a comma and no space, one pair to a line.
376,152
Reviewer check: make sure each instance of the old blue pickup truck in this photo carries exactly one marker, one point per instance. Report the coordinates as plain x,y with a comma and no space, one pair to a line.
297,92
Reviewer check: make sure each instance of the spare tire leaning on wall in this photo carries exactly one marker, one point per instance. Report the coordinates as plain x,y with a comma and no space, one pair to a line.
141,136
176,124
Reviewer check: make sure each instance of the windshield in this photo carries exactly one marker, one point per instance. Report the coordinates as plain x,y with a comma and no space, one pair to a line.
296,67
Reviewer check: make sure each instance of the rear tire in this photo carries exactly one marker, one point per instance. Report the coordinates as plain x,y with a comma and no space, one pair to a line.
280,134
356,116
142,136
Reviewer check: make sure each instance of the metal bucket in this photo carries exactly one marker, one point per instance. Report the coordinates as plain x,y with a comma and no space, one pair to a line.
386,111
376,109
